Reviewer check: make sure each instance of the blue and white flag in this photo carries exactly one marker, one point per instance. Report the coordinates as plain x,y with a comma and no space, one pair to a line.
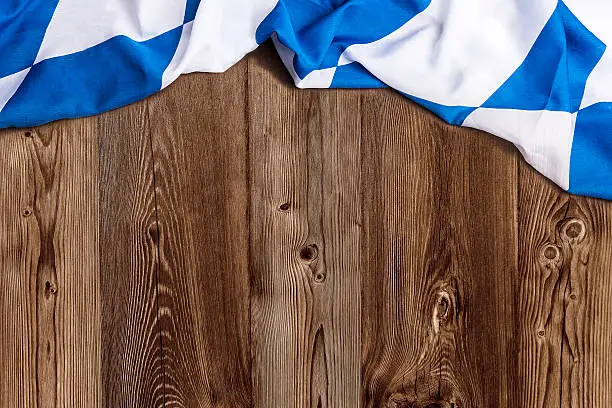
535,72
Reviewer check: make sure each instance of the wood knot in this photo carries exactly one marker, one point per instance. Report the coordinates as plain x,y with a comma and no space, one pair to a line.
309,253
541,333
153,231
551,252
319,277
574,230
443,304
26,212
551,256
284,207
443,310
27,133
50,289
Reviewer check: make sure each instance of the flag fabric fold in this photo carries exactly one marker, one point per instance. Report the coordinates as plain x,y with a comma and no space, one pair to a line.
535,72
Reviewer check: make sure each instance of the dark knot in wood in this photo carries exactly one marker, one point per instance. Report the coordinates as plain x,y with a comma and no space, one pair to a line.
443,304
309,253
26,212
284,207
319,277
551,252
574,229
551,256
50,289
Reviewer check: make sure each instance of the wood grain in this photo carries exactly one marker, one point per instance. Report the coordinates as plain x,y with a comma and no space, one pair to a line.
305,234
132,371
235,242
565,324
199,141
51,313
439,257
17,325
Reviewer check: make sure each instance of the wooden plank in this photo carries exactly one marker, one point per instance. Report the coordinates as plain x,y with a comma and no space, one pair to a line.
439,259
565,326
199,137
131,345
50,307
305,234
17,302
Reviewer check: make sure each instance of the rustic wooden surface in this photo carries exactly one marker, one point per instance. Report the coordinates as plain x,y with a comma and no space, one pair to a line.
235,242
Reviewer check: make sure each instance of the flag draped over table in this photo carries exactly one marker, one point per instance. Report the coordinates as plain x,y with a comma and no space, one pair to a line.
535,72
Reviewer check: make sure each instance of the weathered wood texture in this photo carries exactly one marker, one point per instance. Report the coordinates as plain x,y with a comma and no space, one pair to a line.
563,313
49,263
132,371
439,260
235,242
199,140
305,228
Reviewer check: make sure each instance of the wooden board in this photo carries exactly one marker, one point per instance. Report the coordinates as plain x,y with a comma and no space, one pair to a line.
199,141
50,296
564,319
305,232
17,323
132,371
439,260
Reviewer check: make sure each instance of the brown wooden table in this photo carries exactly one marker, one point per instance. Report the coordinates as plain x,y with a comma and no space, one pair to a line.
233,242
